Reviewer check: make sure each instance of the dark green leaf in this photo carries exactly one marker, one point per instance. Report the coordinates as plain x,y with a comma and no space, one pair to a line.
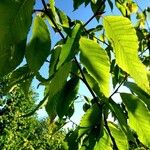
39,47
91,119
110,4
97,6
55,87
70,48
15,21
77,3
118,112
139,92
54,59
68,95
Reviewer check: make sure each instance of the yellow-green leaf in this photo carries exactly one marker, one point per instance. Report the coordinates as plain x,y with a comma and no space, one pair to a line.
139,117
96,61
122,36
104,142
119,136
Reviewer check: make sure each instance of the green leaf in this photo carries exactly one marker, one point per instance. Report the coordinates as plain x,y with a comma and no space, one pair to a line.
39,46
93,84
77,3
69,49
117,111
54,59
122,36
104,142
16,17
110,4
53,14
91,118
68,95
63,18
56,85
139,117
96,61
97,5
139,92
119,136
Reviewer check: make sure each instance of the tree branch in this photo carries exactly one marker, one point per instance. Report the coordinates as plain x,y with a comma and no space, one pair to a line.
51,18
84,79
96,13
125,78
115,147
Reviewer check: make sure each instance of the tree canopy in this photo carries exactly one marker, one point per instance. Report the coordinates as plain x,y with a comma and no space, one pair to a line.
113,54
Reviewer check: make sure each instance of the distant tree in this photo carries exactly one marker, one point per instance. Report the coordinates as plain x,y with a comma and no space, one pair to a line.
17,132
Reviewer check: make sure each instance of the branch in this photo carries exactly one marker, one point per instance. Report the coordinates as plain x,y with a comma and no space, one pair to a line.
115,147
84,79
51,18
96,13
125,78
38,10
95,37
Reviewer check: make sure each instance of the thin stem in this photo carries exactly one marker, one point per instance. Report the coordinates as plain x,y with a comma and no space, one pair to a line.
38,10
125,78
96,13
95,37
72,122
44,4
51,18
84,79
115,147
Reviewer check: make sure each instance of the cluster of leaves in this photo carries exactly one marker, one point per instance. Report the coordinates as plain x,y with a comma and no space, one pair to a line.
25,133
81,55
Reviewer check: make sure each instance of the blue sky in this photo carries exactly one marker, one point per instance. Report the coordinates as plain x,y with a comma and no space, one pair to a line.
81,14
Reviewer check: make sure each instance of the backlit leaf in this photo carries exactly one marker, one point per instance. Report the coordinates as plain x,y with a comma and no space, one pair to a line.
119,136
96,61
122,36
139,117
39,47
15,21
104,142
